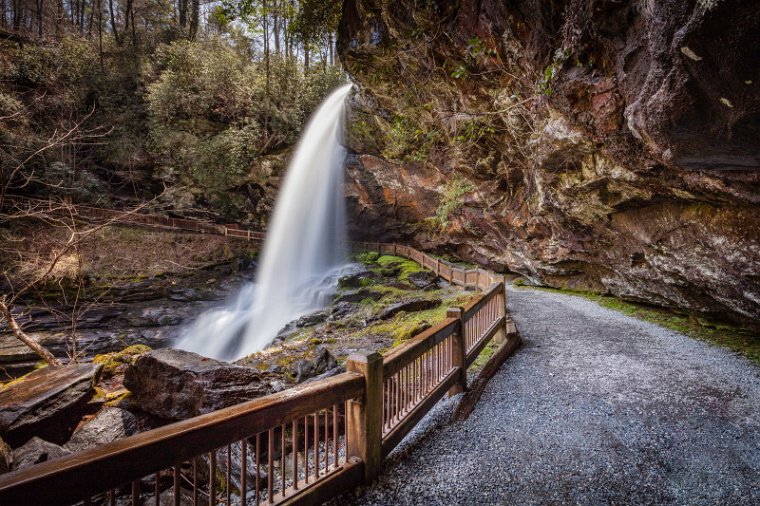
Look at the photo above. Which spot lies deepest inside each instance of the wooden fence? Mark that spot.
(299, 446)
(76, 211)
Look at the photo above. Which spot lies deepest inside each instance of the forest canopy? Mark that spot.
(157, 93)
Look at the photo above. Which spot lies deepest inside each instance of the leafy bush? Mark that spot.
(212, 112)
(452, 199)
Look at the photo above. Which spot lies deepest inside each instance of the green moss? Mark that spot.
(485, 355)
(727, 335)
(367, 257)
(400, 267)
(114, 362)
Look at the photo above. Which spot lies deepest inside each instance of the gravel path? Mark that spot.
(595, 408)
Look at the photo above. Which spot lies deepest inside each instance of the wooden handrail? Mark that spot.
(113, 464)
(384, 398)
(415, 346)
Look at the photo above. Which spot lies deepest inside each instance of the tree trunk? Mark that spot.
(195, 7)
(22, 336)
(182, 7)
(113, 23)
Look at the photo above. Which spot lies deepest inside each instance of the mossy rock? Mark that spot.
(393, 266)
(116, 362)
(368, 257)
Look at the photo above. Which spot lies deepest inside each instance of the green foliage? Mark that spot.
(402, 267)
(406, 140)
(459, 72)
(368, 257)
(550, 72)
(212, 113)
(452, 199)
(475, 129)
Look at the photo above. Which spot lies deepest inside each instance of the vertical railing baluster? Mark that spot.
(316, 446)
(306, 448)
(177, 483)
(229, 475)
(282, 458)
(258, 468)
(327, 439)
(136, 493)
(335, 435)
(294, 451)
(212, 479)
(243, 471)
(270, 466)
(195, 481)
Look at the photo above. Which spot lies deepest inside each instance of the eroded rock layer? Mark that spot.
(588, 144)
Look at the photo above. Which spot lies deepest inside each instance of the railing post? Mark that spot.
(459, 352)
(364, 418)
(501, 335)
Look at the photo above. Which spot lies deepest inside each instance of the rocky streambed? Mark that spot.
(130, 381)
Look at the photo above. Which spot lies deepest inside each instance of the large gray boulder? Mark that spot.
(48, 403)
(177, 384)
(322, 362)
(36, 451)
(109, 424)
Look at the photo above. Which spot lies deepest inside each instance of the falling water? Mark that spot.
(304, 252)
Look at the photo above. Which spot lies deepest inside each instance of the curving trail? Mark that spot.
(595, 408)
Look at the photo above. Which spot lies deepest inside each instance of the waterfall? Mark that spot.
(304, 252)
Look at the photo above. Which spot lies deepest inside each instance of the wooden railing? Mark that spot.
(479, 279)
(61, 208)
(299, 446)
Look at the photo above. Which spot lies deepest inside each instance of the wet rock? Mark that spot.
(48, 403)
(184, 294)
(358, 296)
(154, 317)
(422, 279)
(36, 451)
(409, 306)
(177, 384)
(322, 362)
(358, 280)
(339, 310)
(6, 457)
(109, 424)
(311, 319)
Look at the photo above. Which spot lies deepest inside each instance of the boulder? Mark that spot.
(107, 425)
(409, 306)
(36, 451)
(177, 384)
(358, 296)
(6, 457)
(322, 362)
(340, 310)
(358, 280)
(422, 279)
(48, 403)
(311, 319)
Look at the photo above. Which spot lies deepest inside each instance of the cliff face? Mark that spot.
(597, 145)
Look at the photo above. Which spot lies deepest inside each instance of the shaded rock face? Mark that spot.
(107, 425)
(48, 403)
(36, 451)
(177, 384)
(585, 144)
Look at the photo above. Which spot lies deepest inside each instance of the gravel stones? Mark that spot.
(595, 408)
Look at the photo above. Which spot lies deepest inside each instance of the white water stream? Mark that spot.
(305, 251)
